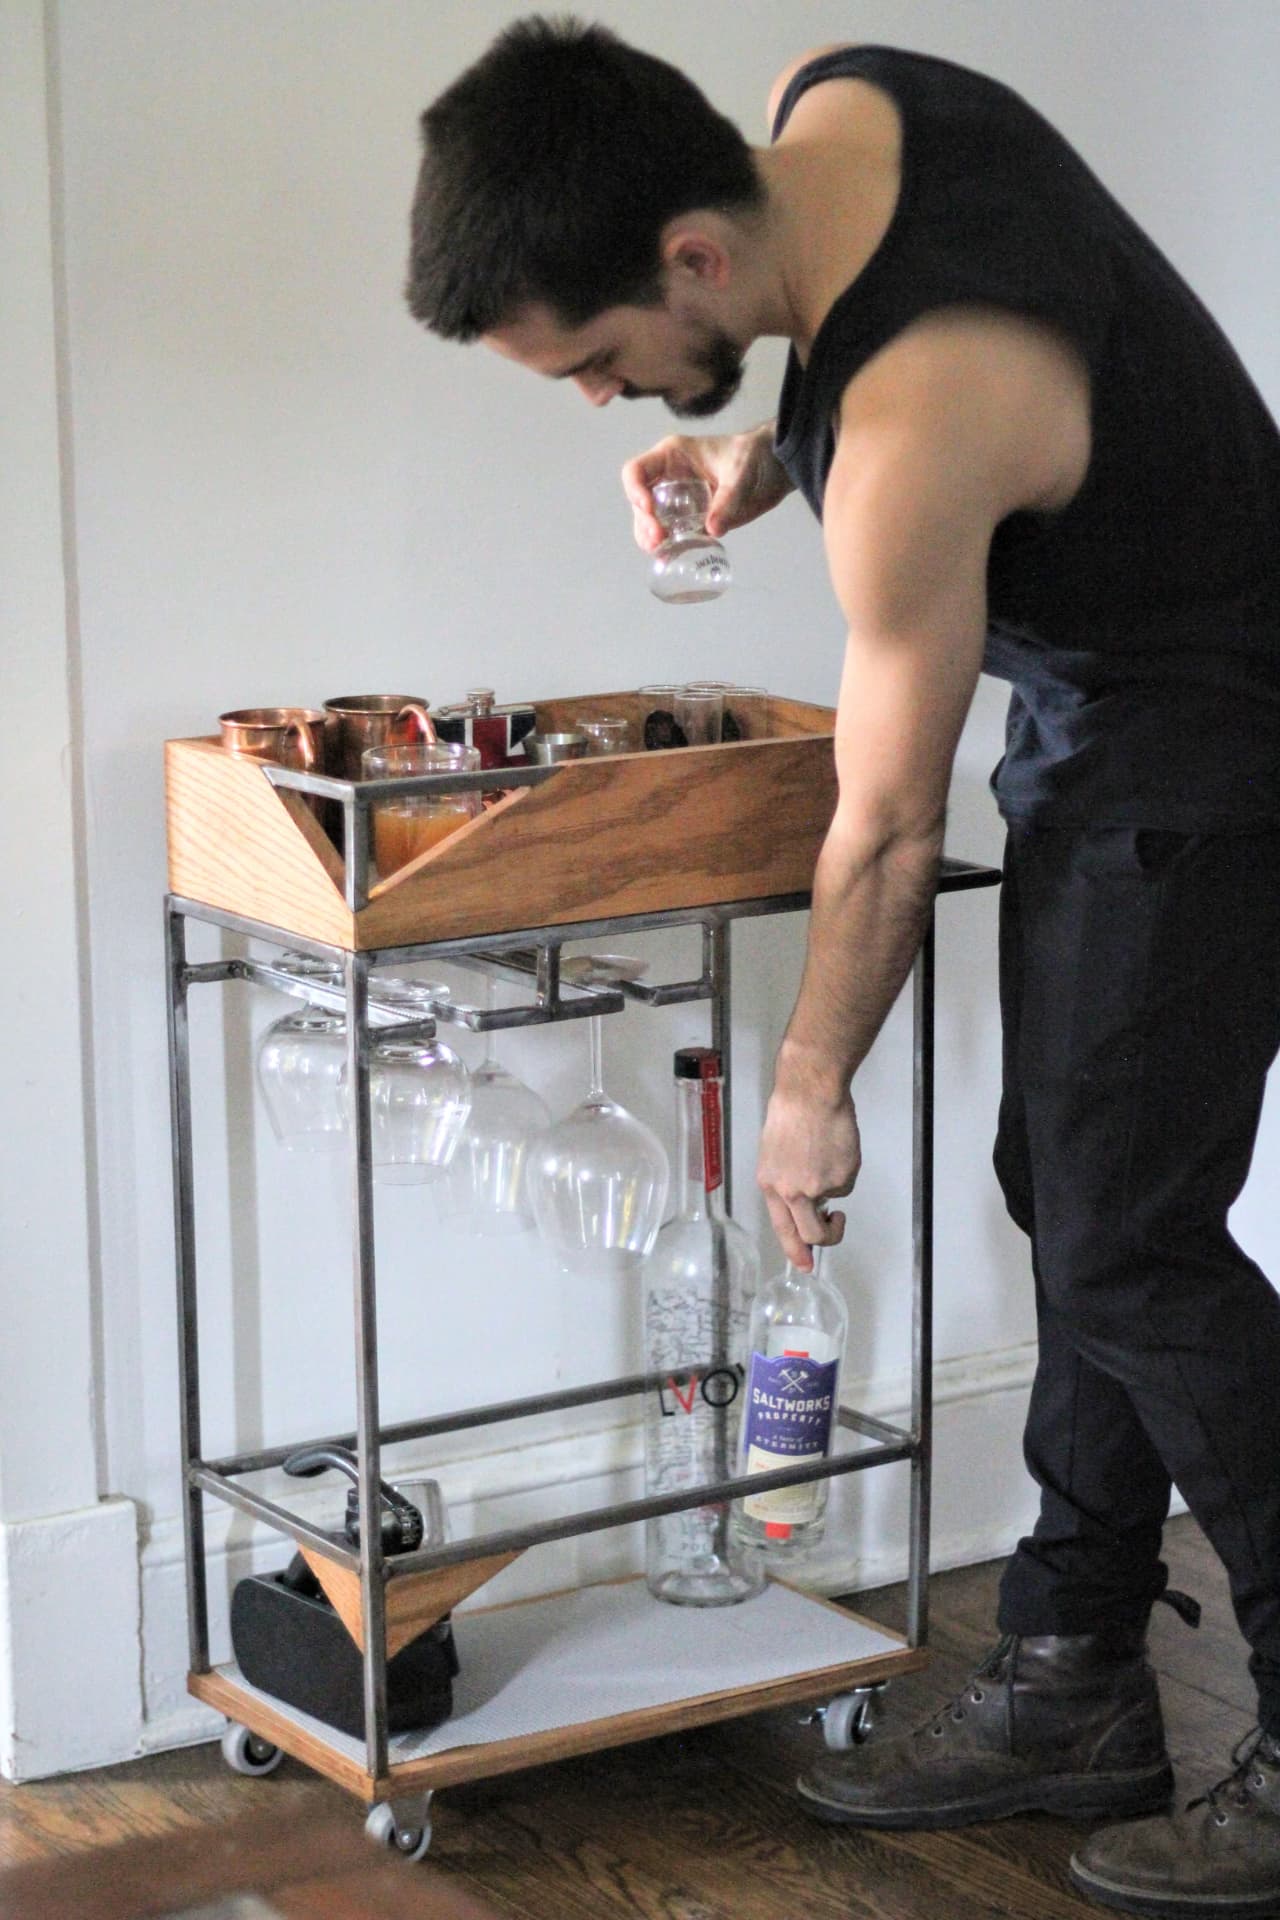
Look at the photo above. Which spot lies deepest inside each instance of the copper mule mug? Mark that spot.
(292, 736)
(357, 721)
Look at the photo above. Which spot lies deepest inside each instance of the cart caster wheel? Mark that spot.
(849, 1719)
(385, 1830)
(246, 1752)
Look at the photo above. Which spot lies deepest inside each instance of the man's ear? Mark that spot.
(692, 250)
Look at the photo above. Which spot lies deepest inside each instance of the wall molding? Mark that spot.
(70, 1652)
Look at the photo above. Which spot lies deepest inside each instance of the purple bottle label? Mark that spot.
(790, 1404)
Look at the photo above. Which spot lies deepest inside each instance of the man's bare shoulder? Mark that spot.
(790, 71)
(1005, 394)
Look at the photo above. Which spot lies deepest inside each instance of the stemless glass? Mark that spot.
(598, 1182)
(405, 827)
(485, 1188)
(301, 1069)
(608, 733)
(419, 1098)
(690, 564)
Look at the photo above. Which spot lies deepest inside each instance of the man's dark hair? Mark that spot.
(550, 168)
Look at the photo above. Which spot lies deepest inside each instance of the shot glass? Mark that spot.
(660, 728)
(699, 712)
(746, 710)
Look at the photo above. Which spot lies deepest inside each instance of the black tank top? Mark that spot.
(1139, 626)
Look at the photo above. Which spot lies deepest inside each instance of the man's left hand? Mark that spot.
(809, 1153)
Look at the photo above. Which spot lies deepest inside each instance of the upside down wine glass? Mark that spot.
(598, 1181)
(485, 1189)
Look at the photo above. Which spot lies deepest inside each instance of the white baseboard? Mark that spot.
(70, 1657)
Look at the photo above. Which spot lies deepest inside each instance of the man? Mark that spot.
(1031, 451)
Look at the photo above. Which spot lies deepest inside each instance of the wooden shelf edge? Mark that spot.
(274, 1724)
(482, 1762)
(486, 1760)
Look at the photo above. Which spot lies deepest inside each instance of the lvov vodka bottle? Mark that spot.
(699, 1283)
(796, 1347)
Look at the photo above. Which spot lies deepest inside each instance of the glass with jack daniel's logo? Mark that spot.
(700, 1281)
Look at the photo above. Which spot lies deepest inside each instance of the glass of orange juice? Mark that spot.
(404, 827)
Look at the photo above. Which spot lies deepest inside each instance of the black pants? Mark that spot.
(1140, 992)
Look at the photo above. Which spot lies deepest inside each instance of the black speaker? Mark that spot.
(291, 1643)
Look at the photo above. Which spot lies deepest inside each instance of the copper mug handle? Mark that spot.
(416, 710)
(306, 744)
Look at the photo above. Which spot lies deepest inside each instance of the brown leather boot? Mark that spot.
(1055, 1723)
(1219, 1857)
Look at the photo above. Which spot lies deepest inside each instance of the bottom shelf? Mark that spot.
(571, 1673)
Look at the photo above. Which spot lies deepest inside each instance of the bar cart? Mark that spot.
(248, 854)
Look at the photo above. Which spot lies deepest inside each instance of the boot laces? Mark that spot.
(991, 1667)
(1247, 1761)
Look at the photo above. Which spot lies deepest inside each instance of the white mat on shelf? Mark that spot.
(612, 1649)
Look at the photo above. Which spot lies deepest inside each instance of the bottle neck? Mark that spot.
(700, 1165)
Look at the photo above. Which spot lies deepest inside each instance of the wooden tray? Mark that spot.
(623, 834)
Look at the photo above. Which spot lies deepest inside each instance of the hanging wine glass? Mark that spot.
(301, 1071)
(598, 1180)
(419, 1098)
(485, 1188)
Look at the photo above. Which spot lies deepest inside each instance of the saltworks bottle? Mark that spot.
(699, 1283)
(796, 1345)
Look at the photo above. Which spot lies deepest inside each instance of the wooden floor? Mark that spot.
(703, 1826)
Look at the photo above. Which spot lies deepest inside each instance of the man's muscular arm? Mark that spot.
(962, 420)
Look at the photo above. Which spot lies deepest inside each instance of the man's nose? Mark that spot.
(597, 389)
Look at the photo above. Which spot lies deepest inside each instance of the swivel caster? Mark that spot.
(246, 1752)
(850, 1718)
(403, 1826)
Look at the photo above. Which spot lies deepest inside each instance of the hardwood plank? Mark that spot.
(314, 1869)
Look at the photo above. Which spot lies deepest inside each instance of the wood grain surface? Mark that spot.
(415, 1601)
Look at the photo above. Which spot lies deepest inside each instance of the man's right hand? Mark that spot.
(745, 474)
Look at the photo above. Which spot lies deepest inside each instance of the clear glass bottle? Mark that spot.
(796, 1347)
(699, 1283)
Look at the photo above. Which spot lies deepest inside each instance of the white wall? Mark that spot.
(280, 489)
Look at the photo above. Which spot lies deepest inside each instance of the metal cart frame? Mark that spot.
(531, 955)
